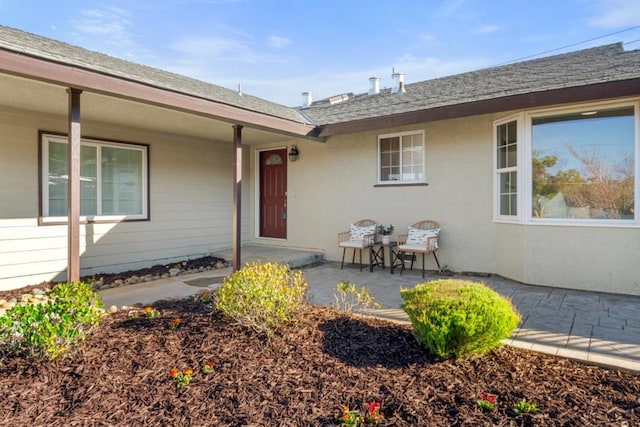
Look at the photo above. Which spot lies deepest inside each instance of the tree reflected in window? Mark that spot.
(582, 165)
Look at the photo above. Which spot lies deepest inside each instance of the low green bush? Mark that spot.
(47, 330)
(262, 296)
(457, 318)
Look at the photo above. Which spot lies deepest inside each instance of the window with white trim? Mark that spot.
(583, 165)
(576, 166)
(401, 158)
(113, 180)
(506, 158)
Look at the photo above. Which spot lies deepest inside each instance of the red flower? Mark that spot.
(210, 364)
(173, 372)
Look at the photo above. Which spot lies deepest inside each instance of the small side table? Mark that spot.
(377, 255)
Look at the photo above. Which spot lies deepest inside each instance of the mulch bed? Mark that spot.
(302, 376)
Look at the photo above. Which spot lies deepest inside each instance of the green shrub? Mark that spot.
(458, 318)
(348, 296)
(46, 330)
(261, 296)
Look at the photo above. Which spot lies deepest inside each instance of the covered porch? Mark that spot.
(195, 194)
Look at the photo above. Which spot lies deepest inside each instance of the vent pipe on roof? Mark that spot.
(398, 83)
(306, 99)
(374, 85)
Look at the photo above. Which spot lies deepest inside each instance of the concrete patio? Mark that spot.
(594, 327)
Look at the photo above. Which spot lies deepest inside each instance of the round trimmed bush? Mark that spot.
(457, 318)
(261, 296)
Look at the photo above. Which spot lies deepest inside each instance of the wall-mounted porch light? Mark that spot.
(293, 153)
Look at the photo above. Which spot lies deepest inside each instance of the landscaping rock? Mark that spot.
(112, 309)
(174, 272)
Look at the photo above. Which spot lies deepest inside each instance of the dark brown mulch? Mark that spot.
(302, 377)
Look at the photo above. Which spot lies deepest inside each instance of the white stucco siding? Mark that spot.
(590, 258)
(333, 184)
(191, 204)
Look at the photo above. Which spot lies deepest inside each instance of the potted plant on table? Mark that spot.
(386, 232)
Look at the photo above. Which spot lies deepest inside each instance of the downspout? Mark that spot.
(73, 202)
(237, 195)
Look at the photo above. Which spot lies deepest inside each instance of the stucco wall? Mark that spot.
(191, 185)
(332, 185)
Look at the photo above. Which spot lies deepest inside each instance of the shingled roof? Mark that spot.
(604, 64)
(52, 50)
(585, 67)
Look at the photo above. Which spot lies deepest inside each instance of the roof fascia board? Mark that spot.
(69, 76)
(524, 101)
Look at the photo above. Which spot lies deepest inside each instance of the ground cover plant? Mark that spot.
(132, 370)
(46, 329)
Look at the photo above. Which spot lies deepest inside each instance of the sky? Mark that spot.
(277, 49)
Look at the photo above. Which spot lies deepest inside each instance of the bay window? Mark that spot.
(579, 166)
(506, 157)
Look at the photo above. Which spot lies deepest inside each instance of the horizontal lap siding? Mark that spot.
(190, 193)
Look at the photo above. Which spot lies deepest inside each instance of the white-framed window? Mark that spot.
(573, 166)
(506, 160)
(113, 180)
(401, 158)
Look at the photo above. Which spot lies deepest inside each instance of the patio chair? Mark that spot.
(361, 235)
(423, 238)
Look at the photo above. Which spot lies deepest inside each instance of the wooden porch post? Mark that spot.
(73, 202)
(237, 194)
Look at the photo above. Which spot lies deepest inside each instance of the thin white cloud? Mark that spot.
(487, 29)
(611, 14)
(449, 7)
(277, 41)
(425, 37)
(112, 23)
(237, 49)
(109, 30)
(210, 1)
(218, 47)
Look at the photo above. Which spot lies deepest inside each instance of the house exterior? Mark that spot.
(530, 168)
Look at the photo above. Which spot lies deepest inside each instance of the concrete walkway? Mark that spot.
(595, 327)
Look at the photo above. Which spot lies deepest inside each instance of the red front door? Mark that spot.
(273, 193)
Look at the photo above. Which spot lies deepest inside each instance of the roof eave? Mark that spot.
(567, 95)
(26, 66)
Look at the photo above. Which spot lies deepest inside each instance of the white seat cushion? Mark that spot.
(358, 244)
(412, 248)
